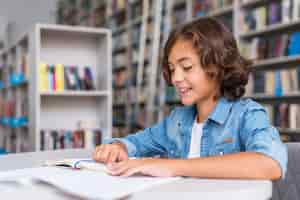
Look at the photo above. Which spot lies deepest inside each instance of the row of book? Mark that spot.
(274, 13)
(65, 139)
(276, 82)
(9, 107)
(284, 115)
(205, 7)
(59, 78)
(121, 96)
(179, 17)
(84, 14)
(122, 79)
(8, 112)
(14, 78)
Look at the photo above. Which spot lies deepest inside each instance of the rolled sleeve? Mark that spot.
(259, 136)
(148, 142)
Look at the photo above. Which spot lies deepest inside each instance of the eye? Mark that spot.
(187, 68)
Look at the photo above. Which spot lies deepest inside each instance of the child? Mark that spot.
(216, 134)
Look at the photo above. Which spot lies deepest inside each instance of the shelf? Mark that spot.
(287, 98)
(277, 63)
(292, 134)
(271, 29)
(254, 4)
(289, 131)
(76, 93)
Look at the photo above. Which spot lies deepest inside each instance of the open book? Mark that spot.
(77, 163)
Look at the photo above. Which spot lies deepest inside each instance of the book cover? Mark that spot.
(286, 10)
(43, 77)
(89, 79)
(59, 77)
(296, 10)
(50, 78)
(76, 77)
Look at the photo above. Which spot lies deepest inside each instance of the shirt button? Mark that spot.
(172, 151)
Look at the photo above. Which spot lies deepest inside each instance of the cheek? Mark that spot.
(204, 83)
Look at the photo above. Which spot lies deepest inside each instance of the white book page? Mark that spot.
(89, 184)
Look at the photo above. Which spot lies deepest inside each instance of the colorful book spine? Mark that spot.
(59, 77)
(50, 78)
(43, 82)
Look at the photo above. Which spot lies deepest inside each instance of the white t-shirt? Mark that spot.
(196, 139)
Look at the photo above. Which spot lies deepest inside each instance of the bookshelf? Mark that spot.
(14, 117)
(175, 12)
(271, 29)
(276, 60)
(83, 113)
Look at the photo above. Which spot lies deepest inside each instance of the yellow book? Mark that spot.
(59, 77)
(43, 78)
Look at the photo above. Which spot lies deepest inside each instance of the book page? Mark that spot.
(90, 184)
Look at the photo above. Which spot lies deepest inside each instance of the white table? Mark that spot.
(187, 188)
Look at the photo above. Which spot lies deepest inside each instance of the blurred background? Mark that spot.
(74, 72)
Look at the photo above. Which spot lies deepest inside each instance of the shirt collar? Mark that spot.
(221, 111)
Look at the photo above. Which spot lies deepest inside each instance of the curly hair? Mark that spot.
(218, 53)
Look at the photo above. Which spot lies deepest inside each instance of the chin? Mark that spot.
(187, 102)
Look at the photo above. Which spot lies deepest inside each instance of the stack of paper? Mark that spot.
(88, 184)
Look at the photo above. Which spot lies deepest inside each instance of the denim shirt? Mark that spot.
(233, 126)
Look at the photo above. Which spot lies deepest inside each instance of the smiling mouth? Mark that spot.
(184, 91)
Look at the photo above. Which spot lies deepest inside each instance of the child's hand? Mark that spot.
(146, 166)
(108, 153)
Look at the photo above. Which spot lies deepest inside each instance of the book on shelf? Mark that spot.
(60, 78)
(25, 65)
(205, 7)
(286, 11)
(65, 139)
(273, 82)
(179, 17)
(296, 10)
(284, 115)
(275, 12)
(43, 77)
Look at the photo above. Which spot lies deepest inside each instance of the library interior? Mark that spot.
(76, 73)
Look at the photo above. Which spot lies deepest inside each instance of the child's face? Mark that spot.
(191, 82)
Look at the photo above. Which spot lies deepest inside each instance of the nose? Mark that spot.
(177, 76)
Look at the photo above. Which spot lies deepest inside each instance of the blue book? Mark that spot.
(50, 78)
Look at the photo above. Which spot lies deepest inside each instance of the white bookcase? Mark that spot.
(67, 45)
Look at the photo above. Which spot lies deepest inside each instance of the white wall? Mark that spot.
(22, 14)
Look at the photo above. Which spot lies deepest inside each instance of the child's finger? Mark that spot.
(113, 156)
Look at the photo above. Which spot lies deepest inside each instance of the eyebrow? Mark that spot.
(181, 60)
